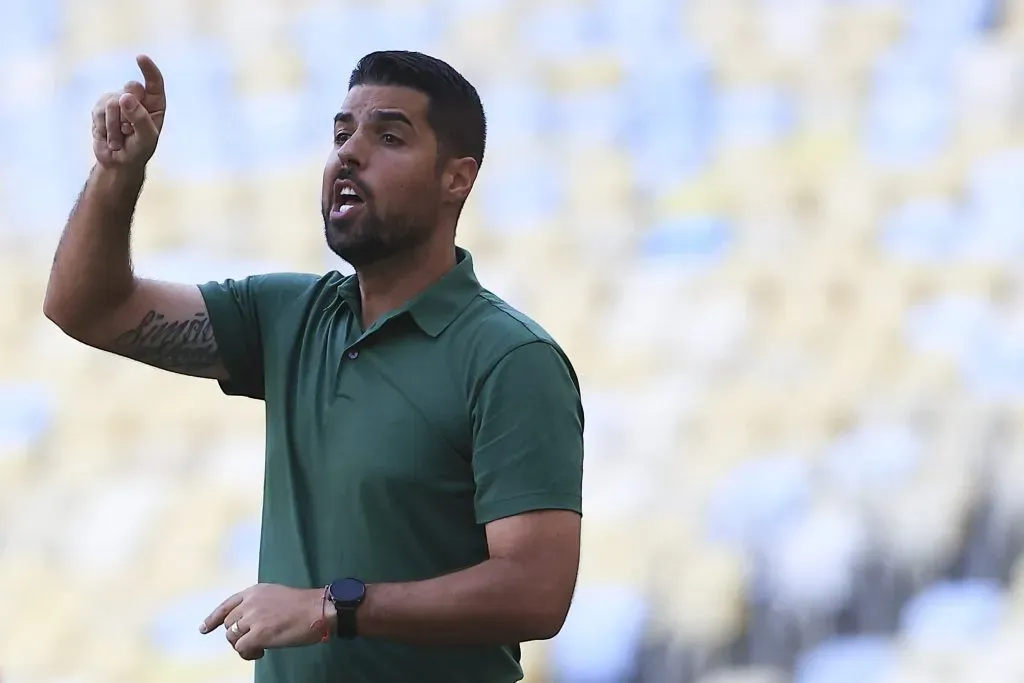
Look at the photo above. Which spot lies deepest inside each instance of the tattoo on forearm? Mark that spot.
(179, 345)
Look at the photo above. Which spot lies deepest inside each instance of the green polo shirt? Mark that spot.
(388, 449)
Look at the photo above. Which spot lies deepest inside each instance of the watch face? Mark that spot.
(348, 591)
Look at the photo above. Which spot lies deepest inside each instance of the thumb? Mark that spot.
(137, 115)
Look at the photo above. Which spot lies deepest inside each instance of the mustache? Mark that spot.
(350, 175)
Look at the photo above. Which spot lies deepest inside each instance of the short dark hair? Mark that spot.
(454, 112)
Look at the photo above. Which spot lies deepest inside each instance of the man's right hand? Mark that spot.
(126, 125)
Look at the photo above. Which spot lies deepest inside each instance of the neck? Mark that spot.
(390, 283)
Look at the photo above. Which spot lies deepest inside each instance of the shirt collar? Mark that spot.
(434, 309)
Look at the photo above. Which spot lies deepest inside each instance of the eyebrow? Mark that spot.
(378, 116)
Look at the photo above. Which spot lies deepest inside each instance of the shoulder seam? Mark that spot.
(506, 313)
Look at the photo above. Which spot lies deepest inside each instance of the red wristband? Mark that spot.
(321, 623)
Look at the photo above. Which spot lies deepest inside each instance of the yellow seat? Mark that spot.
(700, 596)
(476, 42)
(599, 71)
(87, 34)
(534, 662)
(180, 21)
(271, 68)
(286, 220)
(187, 553)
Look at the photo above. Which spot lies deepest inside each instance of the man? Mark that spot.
(424, 440)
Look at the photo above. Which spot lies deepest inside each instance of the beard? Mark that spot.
(369, 238)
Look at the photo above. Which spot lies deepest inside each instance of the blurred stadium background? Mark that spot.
(781, 239)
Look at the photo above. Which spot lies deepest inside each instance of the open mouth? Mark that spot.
(346, 199)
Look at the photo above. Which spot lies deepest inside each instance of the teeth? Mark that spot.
(348, 191)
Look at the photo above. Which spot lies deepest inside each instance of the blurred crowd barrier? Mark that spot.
(781, 240)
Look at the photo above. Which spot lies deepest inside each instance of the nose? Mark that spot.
(350, 154)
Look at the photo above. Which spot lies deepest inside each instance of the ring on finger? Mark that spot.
(234, 629)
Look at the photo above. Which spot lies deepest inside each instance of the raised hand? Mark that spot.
(126, 124)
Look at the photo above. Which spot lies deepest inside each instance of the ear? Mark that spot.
(458, 178)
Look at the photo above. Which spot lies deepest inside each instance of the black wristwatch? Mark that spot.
(347, 595)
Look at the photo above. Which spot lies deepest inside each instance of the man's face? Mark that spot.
(381, 189)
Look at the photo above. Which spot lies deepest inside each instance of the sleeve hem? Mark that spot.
(221, 313)
(530, 502)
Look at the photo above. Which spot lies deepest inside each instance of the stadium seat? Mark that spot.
(950, 615)
(758, 500)
(861, 659)
(811, 568)
(700, 592)
(601, 638)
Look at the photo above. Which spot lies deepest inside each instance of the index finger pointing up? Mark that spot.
(154, 79)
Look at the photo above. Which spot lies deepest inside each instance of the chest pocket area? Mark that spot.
(395, 423)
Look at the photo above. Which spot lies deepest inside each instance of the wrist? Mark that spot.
(330, 614)
(117, 182)
(346, 597)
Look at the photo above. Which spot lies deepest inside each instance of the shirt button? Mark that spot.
(353, 355)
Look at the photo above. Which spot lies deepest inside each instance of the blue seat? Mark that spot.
(38, 192)
(929, 230)
(28, 26)
(874, 458)
(669, 127)
(559, 30)
(26, 414)
(909, 112)
(953, 613)
(174, 632)
(948, 325)
(602, 636)
(991, 364)
(756, 500)
(241, 551)
(329, 37)
(942, 25)
(994, 212)
(856, 659)
(639, 31)
(753, 116)
(694, 240)
(517, 196)
(591, 118)
(278, 129)
(517, 113)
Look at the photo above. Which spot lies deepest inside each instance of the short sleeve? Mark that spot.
(528, 435)
(240, 311)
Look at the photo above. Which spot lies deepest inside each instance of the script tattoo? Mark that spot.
(177, 345)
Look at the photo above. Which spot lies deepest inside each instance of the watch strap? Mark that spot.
(346, 623)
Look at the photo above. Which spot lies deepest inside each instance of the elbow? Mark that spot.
(59, 315)
(68, 323)
(545, 621)
(52, 311)
(548, 629)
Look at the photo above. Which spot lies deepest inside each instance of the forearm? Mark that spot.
(493, 603)
(92, 270)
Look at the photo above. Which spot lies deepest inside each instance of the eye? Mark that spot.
(390, 139)
(340, 137)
